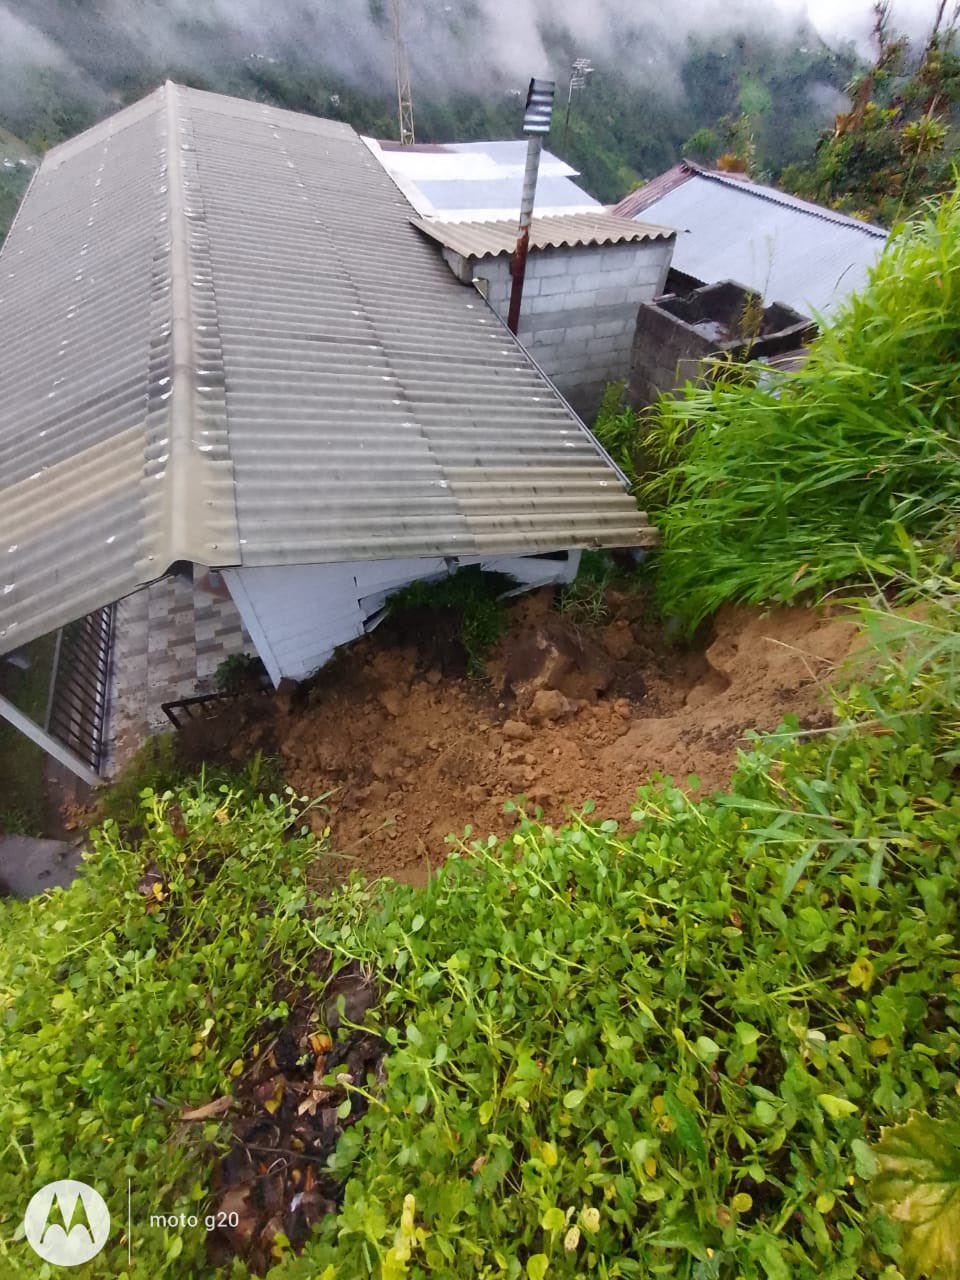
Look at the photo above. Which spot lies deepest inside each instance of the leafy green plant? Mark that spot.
(477, 599)
(831, 473)
(239, 673)
(918, 1185)
(666, 1049)
(137, 992)
(618, 428)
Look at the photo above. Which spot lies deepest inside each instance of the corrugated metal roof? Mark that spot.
(222, 341)
(632, 205)
(488, 239)
(468, 181)
(729, 228)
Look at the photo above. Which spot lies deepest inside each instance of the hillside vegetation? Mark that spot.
(774, 486)
(663, 1048)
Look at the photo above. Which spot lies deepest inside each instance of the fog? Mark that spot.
(451, 43)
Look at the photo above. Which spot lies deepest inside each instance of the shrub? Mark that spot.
(136, 992)
(804, 480)
(666, 1050)
(475, 597)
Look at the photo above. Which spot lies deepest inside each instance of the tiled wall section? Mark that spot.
(169, 640)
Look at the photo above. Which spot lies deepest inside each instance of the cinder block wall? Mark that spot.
(580, 309)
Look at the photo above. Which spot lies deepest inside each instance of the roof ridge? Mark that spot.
(199, 509)
(770, 194)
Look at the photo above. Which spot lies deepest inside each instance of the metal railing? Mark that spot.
(202, 705)
(77, 701)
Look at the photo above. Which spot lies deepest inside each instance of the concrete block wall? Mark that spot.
(580, 309)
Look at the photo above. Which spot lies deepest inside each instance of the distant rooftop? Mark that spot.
(478, 181)
(729, 228)
(489, 239)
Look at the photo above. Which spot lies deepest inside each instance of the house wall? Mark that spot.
(670, 349)
(298, 614)
(580, 308)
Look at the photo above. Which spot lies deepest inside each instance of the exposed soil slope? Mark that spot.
(410, 751)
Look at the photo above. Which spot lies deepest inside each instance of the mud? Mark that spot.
(408, 750)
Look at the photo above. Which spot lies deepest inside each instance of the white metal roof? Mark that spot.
(479, 181)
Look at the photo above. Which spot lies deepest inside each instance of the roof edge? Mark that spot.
(797, 203)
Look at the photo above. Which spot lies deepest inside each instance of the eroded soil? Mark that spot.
(409, 750)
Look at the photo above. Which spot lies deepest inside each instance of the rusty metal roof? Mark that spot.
(488, 239)
(221, 341)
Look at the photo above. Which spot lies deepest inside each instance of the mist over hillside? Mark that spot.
(662, 72)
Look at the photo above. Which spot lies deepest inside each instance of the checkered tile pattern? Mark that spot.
(169, 639)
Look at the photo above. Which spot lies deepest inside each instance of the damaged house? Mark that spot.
(244, 400)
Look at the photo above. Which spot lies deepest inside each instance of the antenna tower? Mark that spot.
(404, 96)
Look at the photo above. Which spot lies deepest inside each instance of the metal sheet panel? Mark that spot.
(489, 239)
(221, 340)
(471, 180)
(787, 249)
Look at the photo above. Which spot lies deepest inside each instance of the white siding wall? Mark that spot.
(580, 309)
(298, 614)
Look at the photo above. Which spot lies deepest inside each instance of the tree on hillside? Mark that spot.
(898, 142)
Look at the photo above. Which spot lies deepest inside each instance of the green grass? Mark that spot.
(779, 487)
(665, 1048)
(22, 789)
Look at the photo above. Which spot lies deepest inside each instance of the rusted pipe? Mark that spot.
(518, 264)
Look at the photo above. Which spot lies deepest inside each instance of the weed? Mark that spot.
(476, 597)
(662, 1048)
(239, 673)
(666, 1048)
(585, 599)
(830, 473)
(136, 992)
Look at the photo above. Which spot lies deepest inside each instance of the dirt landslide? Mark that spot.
(410, 750)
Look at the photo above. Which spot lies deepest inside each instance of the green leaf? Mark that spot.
(864, 1160)
(836, 1107)
(537, 1266)
(707, 1050)
(573, 1099)
(174, 1248)
(688, 1130)
(554, 1219)
(918, 1186)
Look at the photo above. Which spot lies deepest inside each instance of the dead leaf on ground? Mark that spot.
(210, 1109)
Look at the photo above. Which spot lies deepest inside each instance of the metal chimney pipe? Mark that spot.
(536, 122)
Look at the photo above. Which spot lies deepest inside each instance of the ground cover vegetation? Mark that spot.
(661, 1049)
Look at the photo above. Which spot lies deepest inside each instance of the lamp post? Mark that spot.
(536, 123)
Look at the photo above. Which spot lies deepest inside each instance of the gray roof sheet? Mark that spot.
(788, 249)
(489, 239)
(222, 341)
